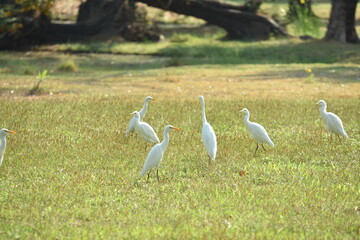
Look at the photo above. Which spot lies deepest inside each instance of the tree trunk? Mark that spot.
(351, 35)
(238, 21)
(342, 22)
(97, 19)
(38, 30)
(109, 19)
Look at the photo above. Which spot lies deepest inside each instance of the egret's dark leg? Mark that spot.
(148, 175)
(157, 174)
(257, 147)
(263, 147)
(209, 160)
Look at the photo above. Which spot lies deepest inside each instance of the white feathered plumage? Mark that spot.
(3, 133)
(257, 131)
(332, 121)
(208, 134)
(144, 130)
(142, 113)
(156, 153)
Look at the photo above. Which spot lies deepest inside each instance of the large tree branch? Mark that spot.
(239, 23)
(112, 17)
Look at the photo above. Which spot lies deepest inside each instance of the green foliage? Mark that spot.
(306, 23)
(39, 7)
(311, 76)
(10, 14)
(68, 66)
(180, 38)
(8, 22)
(42, 75)
(37, 89)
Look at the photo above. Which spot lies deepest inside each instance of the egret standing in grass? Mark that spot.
(3, 133)
(208, 134)
(332, 121)
(257, 131)
(144, 130)
(156, 153)
(142, 113)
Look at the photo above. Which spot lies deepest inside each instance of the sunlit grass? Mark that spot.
(71, 173)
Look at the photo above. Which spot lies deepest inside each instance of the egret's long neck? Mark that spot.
(137, 120)
(144, 109)
(323, 111)
(166, 140)
(246, 118)
(2, 147)
(203, 112)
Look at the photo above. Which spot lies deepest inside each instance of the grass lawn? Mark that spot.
(70, 172)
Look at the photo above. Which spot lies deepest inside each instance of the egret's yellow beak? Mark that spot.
(175, 128)
(11, 132)
(153, 99)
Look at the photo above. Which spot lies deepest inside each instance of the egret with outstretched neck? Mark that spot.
(332, 122)
(3, 133)
(208, 134)
(144, 130)
(257, 131)
(142, 113)
(156, 153)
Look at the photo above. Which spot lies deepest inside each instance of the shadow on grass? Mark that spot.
(99, 57)
(123, 63)
(305, 52)
(337, 74)
(332, 74)
(199, 51)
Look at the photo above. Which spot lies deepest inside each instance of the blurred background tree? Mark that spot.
(342, 22)
(27, 22)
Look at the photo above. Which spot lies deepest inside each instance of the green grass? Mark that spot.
(213, 51)
(226, 67)
(71, 173)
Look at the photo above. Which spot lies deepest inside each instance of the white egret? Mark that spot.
(142, 113)
(208, 134)
(3, 133)
(257, 131)
(332, 121)
(144, 130)
(156, 153)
